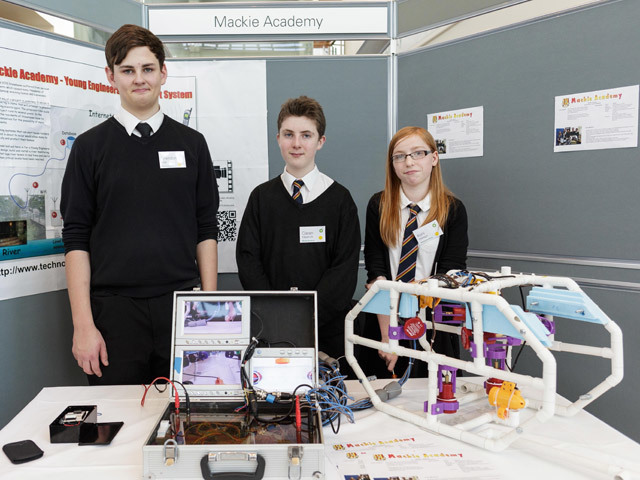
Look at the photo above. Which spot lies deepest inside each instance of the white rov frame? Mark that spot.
(477, 296)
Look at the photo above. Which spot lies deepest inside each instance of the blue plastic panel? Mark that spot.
(495, 322)
(380, 304)
(566, 304)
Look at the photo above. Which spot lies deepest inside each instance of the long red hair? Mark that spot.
(441, 196)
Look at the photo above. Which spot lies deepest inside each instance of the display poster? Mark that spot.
(596, 120)
(51, 91)
(458, 133)
(407, 457)
(232, 115)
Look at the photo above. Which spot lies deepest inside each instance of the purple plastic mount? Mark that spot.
(448, 318)
(550, 324)
(397, 333)
(496, 351)
(441, 407)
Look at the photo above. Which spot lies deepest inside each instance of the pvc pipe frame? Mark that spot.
(478, 296)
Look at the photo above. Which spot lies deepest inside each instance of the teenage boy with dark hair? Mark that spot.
(139, 202)
(301, 228)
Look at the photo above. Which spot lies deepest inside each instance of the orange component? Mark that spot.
(507, 397)
(282, 361)
(430, 302)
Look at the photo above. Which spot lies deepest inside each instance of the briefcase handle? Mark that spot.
(220, 456)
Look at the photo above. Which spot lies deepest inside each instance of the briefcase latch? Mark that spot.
(295, 462)
(170, 452)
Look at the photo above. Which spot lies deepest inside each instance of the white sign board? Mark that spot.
(268, 21)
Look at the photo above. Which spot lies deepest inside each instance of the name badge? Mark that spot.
(427, 232)
(313, 234)
(172, 160)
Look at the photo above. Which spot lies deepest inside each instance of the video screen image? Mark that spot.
(282, 374)
(211, 367)
(218, 317)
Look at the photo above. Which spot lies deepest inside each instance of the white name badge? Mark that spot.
(172, 160)
(313, 234)
(427, 232)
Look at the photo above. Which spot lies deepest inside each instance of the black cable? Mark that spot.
(253, 312)
(286, 416)
(186, 398)
(513, 367)
(286, 342)
(450, 281)
(157, 387)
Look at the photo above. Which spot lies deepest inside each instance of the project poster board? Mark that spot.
(232, 115)
(51, 91)
(458, 133)
(596, 120)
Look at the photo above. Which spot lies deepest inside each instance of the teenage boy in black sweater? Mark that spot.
(139, 202)
(301, 228)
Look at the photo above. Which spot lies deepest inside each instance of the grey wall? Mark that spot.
(420, 15)
(522, 197)
(550, 201)
(35, 351)
(353, 95)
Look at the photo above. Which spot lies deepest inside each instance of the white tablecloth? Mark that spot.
(545, 451)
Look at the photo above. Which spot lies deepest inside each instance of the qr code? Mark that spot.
(227, 225)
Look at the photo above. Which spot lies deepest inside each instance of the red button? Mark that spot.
(414, 328)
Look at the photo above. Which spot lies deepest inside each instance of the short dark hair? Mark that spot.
(128, 37)
(303, 107)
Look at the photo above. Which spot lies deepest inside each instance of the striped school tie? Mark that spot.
(297, 195)
(409, 252)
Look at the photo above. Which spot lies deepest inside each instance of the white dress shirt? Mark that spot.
(315, 184)
(129, 121)
(426, 250)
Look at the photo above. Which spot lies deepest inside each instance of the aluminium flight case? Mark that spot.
(211, 332)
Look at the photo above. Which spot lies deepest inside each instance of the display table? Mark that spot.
(553, 450)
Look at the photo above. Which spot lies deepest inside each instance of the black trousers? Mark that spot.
(137, 332)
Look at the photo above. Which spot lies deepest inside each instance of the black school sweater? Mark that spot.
(140, 223)
(271, 257)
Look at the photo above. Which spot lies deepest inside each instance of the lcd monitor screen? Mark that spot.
(225, 318)
(282, 373)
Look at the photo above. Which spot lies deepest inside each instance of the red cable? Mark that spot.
(176, 399)
(175, 391)
(298, 416)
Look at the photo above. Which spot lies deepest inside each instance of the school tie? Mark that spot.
(409, 252)
(144, 129)
(297, 195)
